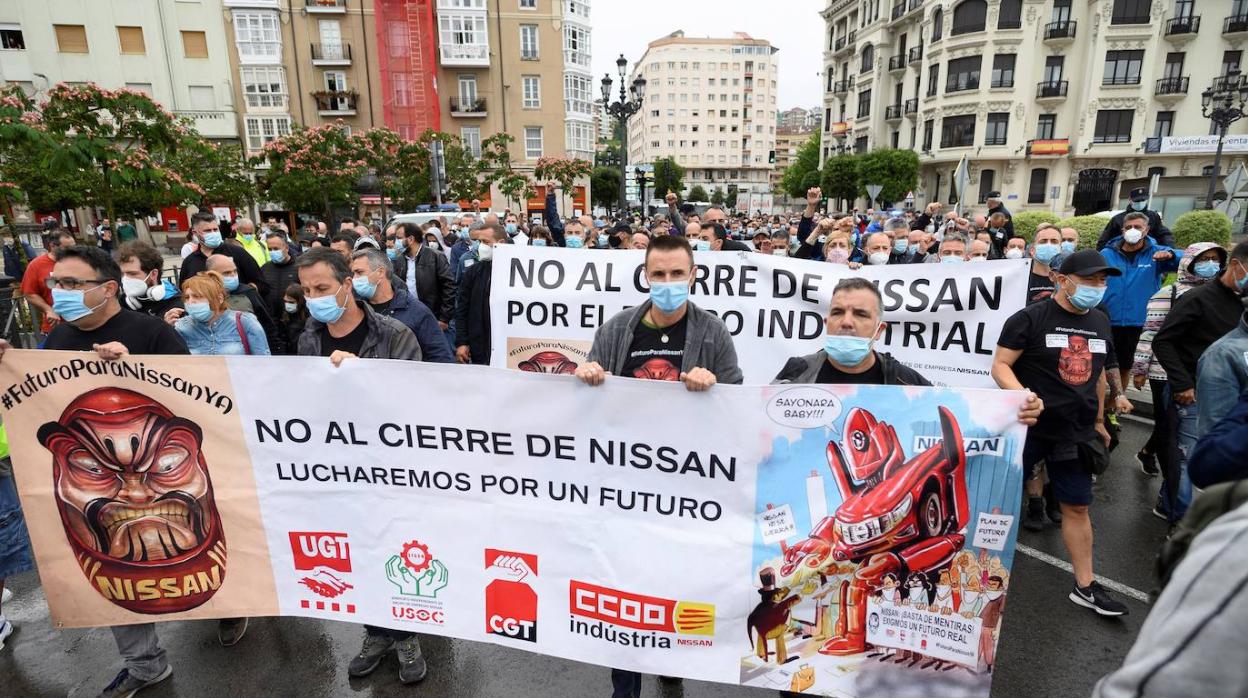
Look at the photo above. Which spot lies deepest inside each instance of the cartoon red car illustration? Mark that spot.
(897, 515)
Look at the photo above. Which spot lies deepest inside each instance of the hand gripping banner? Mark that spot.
(831, 540)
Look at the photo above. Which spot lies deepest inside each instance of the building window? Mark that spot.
(963, 74)
(1174, 65)
(463, 36)
(578, 95)
(1165, 124)
(927, 134)
(258, 36)
(861, 144)
(1011, 14)
(528, 4)
(1131, 12)
(532, 92)
(131, 41)
(1046, 127)
(1039, 183)
(1003, 70)
(1156, 172)
(576, 45)
(986, 180)
(933, 79)
(864, 104)
(868, 59)
(265, 129)
(533, 142)
(71, 38)
(471, 136)
(580, 137)
(528, 42)
(998, 128)
(969, 16)
(1230, 62)
(1123, 67)
(1113, 126)
(11, 38)
(938, 24)
(401, 89)
(194, 44)
(957, 131)
(264, 87)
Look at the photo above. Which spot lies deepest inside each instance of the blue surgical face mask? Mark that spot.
(1138, 205)
(292, 308)
(1046, 251)
(846, 350)
(248, 238)
(1087, 297)
(275, 255)
(951, 259)
(1242, 282)
(392, 253)
(363, 287)
(668, 297)
(899, 246)
(1207, 269)
(510, 228)
(231, 283)
(326, 309)
(702, 245)
(475, 245)
(462, 234)
(574, 242)
(603, 240)
(1068, 246)
(538, 242)
(212, 240)
(199, 311)
(914, 248)
(70, 304)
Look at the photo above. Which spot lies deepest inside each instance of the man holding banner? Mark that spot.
(666, 338)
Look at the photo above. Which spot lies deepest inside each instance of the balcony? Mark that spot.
(336, 102)
(915, 55)
(1182, 28)
(892, 112)
(576, 58)
(468, 108)
(1172, 88)
(325, 6)
(1061, 31)
(331, 54)
(1227, 83)
(899, 11)
(1049, 146)
(1120, 80)
(1235, 25)
(1052, 89)
(841, 87)
(915, 5)
(962, 83)
(896, 63)
(465, 54)
(845, 43)
(911, 106)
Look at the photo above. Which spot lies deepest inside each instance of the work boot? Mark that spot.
(411, 663)
(231, 630)
(126, 685)
(374, 648)
(1033, 520)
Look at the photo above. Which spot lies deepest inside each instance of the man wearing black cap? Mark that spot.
(1139, 202)
(1058, 348)
(995, 206)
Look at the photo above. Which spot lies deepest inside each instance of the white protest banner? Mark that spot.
(459, 501)
(942, 320)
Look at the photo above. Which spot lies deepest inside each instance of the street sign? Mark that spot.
(962, 180)
(1235, 181)
(873, 191)
(1055, 192)
(910, 197)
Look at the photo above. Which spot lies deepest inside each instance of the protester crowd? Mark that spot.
(1097, 321)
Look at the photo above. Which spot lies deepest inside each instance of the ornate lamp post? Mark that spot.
(1223, 104)
(622, 109)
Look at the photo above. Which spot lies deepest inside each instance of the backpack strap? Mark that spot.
(242, 334)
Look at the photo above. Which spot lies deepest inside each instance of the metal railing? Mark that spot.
(1183, 25)
(1061, 29)
(897, 62)
(1235, 24)
(1172, 86)
(331, 52)
(1052, 88)
(467, 106)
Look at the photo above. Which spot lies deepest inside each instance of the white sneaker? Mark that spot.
(5, 630)
(6, 595)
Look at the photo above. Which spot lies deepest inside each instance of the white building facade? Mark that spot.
(710, 105)
(1062, 105)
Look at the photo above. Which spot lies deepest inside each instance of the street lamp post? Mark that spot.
(639, 176)
(622, 109)
(1218, 104)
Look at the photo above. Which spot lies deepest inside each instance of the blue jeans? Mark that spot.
(15, 553)
(1176, 491)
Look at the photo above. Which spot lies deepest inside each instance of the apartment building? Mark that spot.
(710, 104)
(174, 51)
(1061, 105)
(798, 119)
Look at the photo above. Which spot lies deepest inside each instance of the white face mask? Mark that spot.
(485, 253)
(134, 288)
(878, 258)
(993, 595)
(1013, 253)
(1132, 236)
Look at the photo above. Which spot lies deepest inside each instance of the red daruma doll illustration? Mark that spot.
(510, 603)
(136, 501)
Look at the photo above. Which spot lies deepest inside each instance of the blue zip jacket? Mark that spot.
(420, 320)
(1221, 455)
(1126, 297)
(1222, 376)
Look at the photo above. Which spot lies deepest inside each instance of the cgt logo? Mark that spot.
(640, 612)
(324, 559)
(510, 601)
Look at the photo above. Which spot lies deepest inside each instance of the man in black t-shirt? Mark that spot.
(85, 283)
(1058, 348)
(1047, 245)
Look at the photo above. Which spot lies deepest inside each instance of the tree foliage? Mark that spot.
(218, 169)
(717, 196)
(839, 179)
(1026, 222)
(565, 171)
(668, 176)
(894, 169)
(730, 201)
(1089, 228)
(698, 193)
(312, 169)
(794, 181)
(604, 187)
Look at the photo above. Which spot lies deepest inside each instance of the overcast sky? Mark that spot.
(793, 26)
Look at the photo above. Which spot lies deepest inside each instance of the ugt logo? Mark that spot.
(416, 573)
(325, 561)
(510, 601)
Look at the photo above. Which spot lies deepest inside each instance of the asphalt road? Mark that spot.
(1049, 647)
